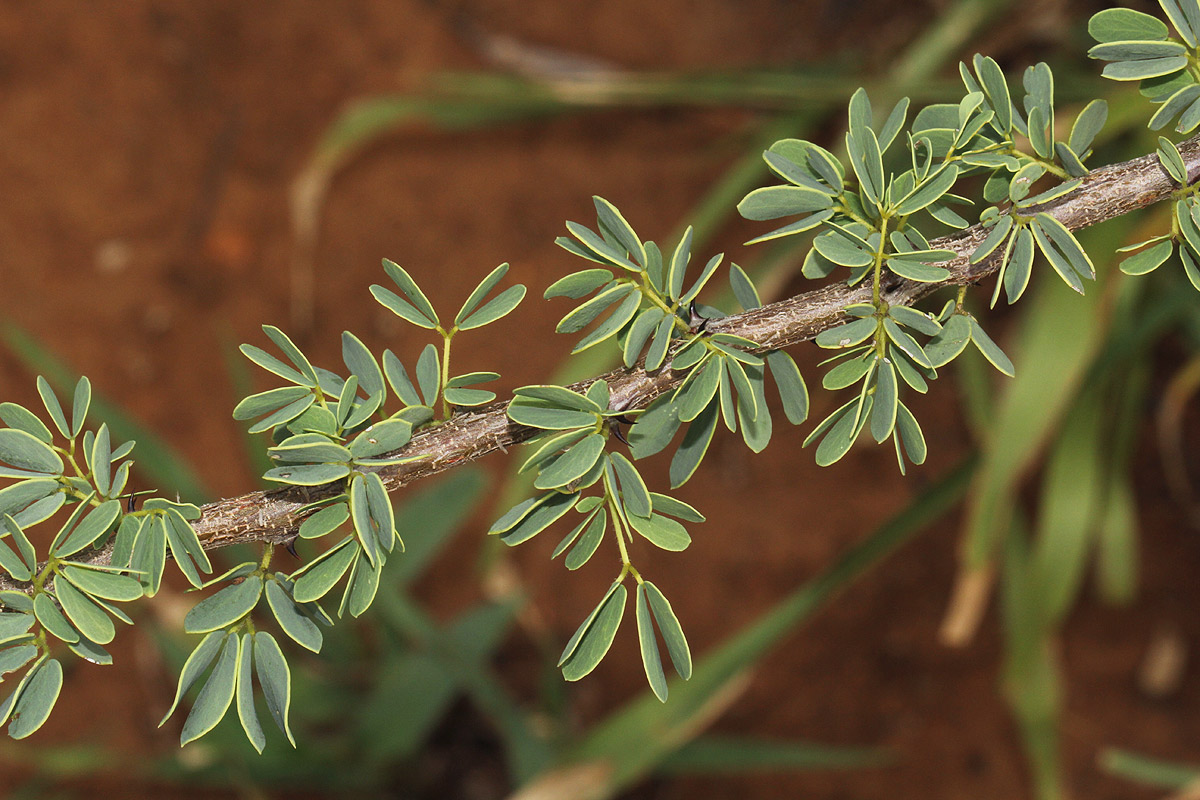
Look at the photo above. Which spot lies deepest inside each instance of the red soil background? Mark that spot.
(148, 150)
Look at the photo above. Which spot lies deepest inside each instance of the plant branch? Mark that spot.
(275, 515)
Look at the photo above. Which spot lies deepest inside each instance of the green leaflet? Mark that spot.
(672, 632)
(13, 658)
(225, 607)
(195, 665)
(578, 284)
(14, 625)
(773, 202)
(26, 451)
(617, 320)
(848, 335)
(581, 316)
(531, 517)
(589, 537)
(185, 547)
(429, 374)
(635, 497)
(89, 619)
(94, 525)
(467, 318)
(1149, 259)
(35, 698)
(610, 221)
(216, 694)
(50, 401)
(590, 643)
(80, 404)
(291, 617)
(662, 532)
(372, 514)
(570, 465)
(52, 619)
(675, 508)
(268, 402)
(362, 585)
(103, 584)
(362, 364)
(498, 307)
(397, 377)
(644, 326)
(148, 557)
(424, 315)
(317, 577)
(695, 393)
(651, 660)
(990, 350)
(275, 678)
(883, 410)
(324, 521)
(949, 343)
(1115, 24)
(695, 444)
(292, 353)
(245, 697)
(380, 439)
(22, 563)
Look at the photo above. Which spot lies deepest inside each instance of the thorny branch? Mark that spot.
(274, 515)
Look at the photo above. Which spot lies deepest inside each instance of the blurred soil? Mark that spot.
(148, 149)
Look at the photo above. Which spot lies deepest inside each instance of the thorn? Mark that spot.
(291, 546)
(620, 434)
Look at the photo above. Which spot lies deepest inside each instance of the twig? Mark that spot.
(275, 515)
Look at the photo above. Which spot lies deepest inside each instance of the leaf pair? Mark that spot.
(314, 459)
(877, 406)
(1138, 48)
(958, 329)
(815, 183)
(415, 307)
(142, 542)
(592, 640)
(1186, 214)
(235, 660)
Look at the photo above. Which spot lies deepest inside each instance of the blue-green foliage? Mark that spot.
(874, 211)
(642, 300)
(71, 600)
(326, 429)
